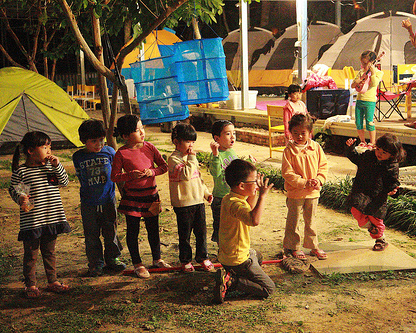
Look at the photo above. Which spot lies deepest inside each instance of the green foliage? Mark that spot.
(401, 214)
(334, 194)
(274, 175)
(203, 158)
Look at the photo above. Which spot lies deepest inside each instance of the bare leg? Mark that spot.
(361, 135)
(372, 137)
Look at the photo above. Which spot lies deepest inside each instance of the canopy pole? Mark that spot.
(302, 43)
(244, 53)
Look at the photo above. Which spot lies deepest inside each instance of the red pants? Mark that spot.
(365, 221)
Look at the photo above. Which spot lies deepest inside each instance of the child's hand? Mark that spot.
(147, 173)
(53, 160)
(407, 24)
(252, 159)
(137, 174)
(191, 151)
(263, 184)
(24, 203)
(142, 174)
(393, 192)
(215, 146)
(210, 198)
(313, 184)
(350, 142)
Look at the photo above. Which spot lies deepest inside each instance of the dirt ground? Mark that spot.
(182, 303)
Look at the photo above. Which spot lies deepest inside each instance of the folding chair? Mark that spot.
(393, 99)
(275, 112)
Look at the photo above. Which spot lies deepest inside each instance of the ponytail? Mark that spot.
(16, 158)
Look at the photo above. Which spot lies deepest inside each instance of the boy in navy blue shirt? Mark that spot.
(98, 203)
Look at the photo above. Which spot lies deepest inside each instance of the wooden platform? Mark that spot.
(254, 117)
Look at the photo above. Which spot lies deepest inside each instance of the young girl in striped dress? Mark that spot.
(133, 164)
(35, 188)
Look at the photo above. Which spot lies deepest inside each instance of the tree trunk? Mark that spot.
(195, 26)
(104, 99)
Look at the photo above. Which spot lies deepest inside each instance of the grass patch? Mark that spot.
(6, 165)
(4, 183)
(7, 262)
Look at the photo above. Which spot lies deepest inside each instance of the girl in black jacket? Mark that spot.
(376, 178)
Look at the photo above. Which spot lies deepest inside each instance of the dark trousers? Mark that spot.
(192, 218)
(251, 278)
(46, 244)
(98, 220)
(133, 229)
(216, 213)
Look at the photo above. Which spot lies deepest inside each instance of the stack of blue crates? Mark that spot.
(201, 72)
(157, 91)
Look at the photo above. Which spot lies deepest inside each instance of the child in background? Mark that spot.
(98, 198)
(376, 179)
(187, 193)
(366, 99)
(222, 154)
(134, 165)
(293, 106)
(240, 210)
(304, 168)
(35, 188)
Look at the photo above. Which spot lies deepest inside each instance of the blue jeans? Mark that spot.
(216, 213)
(98, 220)
(251, 278)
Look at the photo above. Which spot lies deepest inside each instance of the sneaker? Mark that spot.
(94, 272)
(161, 264)
(221, 285)
(116, 265)
(188, 268)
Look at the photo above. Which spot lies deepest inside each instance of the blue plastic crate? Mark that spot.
(154, 90)
(202, 69)
(152, 69)
(203, 91)
(198, 49)
(163, 110)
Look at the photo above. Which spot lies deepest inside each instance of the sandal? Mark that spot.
(380, 245)
(207, 265)
(141, 272)
(373, 229)
(320, 254)
(57, 288)
(298, 254)
(188, 268)
(161, 264)
(32, 293)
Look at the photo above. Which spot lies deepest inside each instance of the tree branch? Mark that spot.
(83, 44)
(9, 58)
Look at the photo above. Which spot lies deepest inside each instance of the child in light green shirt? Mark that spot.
(222, 155)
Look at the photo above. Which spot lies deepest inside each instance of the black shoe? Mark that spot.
(116, 265)
(94, 272)
(221, 285)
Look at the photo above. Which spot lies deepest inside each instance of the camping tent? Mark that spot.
(378, 32)
(275, 64)
(158, 40)
(31, 102)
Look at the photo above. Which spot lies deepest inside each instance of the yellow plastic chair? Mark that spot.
(275, 112)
